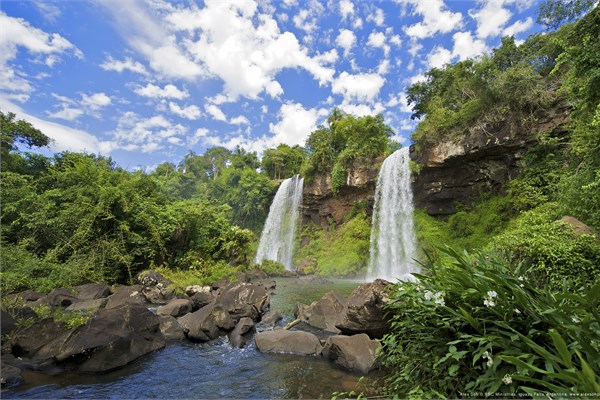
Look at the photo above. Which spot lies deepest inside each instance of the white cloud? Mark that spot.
(395, 40)
(383, 67)
(518, 27)
(47, 10)
(378, 17)
(239, 120)
(137, 133)
(295, 124)
(197, 136)
(95, 101)
(362, 109)
(67, 113)
(346, 40)
(377, 39)
(215, 112)
(168, 92)
(491, 18)
(110, 64)
(191, 112)
(361, 87)
(399, 100)
(346, 8)
(436, 18)
(465, 46)
(438, 57)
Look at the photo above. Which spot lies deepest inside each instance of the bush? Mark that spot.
(270, 267)
(475, 325)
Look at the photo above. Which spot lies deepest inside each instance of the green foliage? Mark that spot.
(342, 251)
(553, 251)
(475, 325)
(283, 161)
(69, 320)
(271, 268)
(14, 132)
(199, 272)
(554, 13)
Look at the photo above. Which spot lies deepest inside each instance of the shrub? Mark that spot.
(475, 325)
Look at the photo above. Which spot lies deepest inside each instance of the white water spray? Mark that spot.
(277, 238)
(393, 239)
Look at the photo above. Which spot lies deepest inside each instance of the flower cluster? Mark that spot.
(437, 297)
(490, 301)
(507, 380)
(488, 356)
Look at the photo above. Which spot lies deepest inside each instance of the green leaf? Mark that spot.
(561, 347)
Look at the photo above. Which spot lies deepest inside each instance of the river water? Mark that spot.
(184, 370)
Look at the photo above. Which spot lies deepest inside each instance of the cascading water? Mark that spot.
(393, 239)
(277, 238)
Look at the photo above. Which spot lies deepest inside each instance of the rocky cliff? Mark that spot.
(481, 161)
(320, 206)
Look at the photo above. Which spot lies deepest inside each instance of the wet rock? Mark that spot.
(87, 305)
(364, 311)
(7, 323)
(205, 324)
(240, 335)
(125, 295)
(322, 314)
(110, 339)
(170, 328)
(201, 299)
(193, 289)
(175, 308)
(284, 341)
(245, 300)
(91, 291)
(256, 274)
(155, 287)
(268, 284)
(354, 353)
(9, 375)
(271, 317)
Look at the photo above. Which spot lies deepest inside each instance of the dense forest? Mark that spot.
(523, 297)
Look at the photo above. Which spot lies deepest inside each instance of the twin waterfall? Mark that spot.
(277, 238)
(392, 232)
(393, 241)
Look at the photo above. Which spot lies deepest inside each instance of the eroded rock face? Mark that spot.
(126, 294)
(206, 324)
(364, 311)
(323, 313)
(354, 353)
(284, 341)
(175, 308)
(483, 160)
(244, 300)
(320, 206)
(240, 335)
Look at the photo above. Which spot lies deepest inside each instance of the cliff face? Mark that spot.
(482, 161)
(319, 204)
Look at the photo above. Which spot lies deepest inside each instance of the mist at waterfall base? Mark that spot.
(277, 238)
(393, 240)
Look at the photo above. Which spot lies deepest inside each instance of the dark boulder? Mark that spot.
(245, 300)
(175, 308)
(201, 299)
(126, 295)
(170, 328)
(271, 318)
(284, 341)
(266, 283)
(7, 323)
(60, 297)
(29, 340)
(24, 296)
(354, 353)
(87, 305)
(110, 339)
(323, 313)
(9, 375)
(91, 291)
(155, 287)
(240, 335)
(206, 324)
(364, 311)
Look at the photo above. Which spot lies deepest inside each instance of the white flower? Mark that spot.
(428, 295)
(575, 319)
(517, 311)
(491, 294)
(490, 362)
(489, 300)
(440, 301)
(507, 380)
(521, 278)
(489, 303)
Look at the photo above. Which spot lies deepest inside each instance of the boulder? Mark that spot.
(240, 335)
(91, 291)
(201, 299)
(124, 295)
(87, 305)
(193, 289)
(110, 339)
(170, 328)
(354, 353)
(9, 375)
(284, 341)
(25, 296)
(577, 227)
(152, 278)
(29, 340)
(60, 297)
(256, 274)
(155, 287)
(245, 300)
(266, 283)
(271, 317)
(175, 308)
(7, 323)
(364, 311)
(205, 324)
(322, 314)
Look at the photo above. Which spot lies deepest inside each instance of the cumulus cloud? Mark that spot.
(156, 92)
(239, 120)
(346, 8)
(361, 87)
(491, 18)
(110, 64)
(95, 101)
(518, 27)
(438, 57)
(436, 18)
(137, 133)
(191, 112)
(377, 39)
(295, 123)
(215, 112)
(466, 46)
(346, 40)
(71, 109)
(378, 17)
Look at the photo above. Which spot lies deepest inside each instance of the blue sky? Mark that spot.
(147, 81)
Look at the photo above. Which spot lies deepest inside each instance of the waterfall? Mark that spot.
(277, 238)
(393, 239)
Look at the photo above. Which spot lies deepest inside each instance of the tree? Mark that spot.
(13, 132)
(283, 161)
(554, 13)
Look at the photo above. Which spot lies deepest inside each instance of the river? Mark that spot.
(185, 370)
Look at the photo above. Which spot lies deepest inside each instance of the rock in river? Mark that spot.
(284, 341)
(354, 353)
